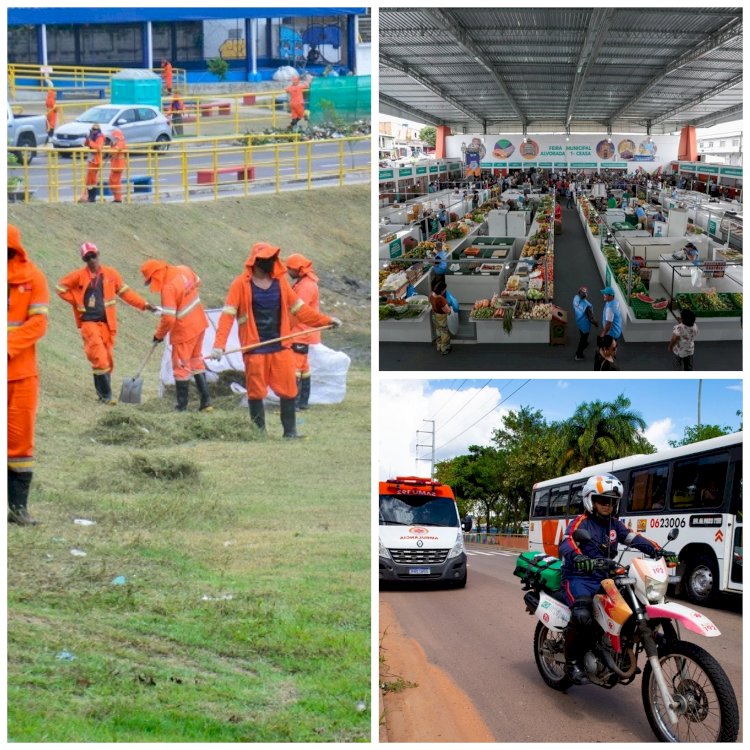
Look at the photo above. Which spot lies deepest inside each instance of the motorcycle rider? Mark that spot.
(580, 577)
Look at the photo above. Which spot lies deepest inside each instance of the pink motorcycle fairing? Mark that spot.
(691, 619)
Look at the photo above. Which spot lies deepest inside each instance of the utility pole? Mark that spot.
(430, 445)
(700, 387)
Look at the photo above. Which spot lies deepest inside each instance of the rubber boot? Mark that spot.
(19, 483)
(202, 385)
(92, 195)
(101, 387)
(288, 419)
(107, 389)
(303, 393)
(257, 413)
(183, 394)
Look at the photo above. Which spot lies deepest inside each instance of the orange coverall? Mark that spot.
(50, 102)
(306, 287)
(166, 72)
(296, 99)
(183, 316)
(28, 304)
(98, 337)
(117, 163)
(263, 370)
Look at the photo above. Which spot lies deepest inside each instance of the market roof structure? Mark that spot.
(651, 70)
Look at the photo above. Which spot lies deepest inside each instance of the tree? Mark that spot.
(218, 67)
(699, 432)
(428, 135)
(523, 441)
(599, 431)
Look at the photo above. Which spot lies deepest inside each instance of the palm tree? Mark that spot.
(600, 431)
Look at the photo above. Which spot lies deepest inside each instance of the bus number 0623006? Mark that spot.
(667, 523)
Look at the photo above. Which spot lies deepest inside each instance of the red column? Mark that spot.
(443, 132)
(688, 149)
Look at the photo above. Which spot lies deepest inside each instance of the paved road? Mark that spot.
(324, 166)
(482, 637)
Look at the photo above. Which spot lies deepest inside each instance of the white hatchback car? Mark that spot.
(140, 123)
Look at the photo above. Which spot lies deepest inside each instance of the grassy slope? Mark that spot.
(192, 506)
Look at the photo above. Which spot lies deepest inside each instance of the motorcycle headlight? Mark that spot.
(655, 590)
(383, 551)
(458, 547)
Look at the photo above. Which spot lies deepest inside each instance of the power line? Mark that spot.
(467, 403)
(484, 415)
(448, 400)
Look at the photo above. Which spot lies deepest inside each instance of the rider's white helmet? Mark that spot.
(602, 484)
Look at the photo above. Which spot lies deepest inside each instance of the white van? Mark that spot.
(420, 533)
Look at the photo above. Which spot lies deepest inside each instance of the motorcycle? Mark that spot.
(686, 694)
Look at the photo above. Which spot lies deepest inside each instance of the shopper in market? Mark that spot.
(606, 353)
(640, 215)
(440, 311)
(611, 316)
(682, 344)
(584, 312)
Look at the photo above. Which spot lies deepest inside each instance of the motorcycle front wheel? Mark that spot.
(707, 707)
(549, 654)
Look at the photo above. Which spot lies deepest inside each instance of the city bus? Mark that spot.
(695, 488)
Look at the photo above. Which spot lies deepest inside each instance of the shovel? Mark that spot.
(130, 393)
(276, 340)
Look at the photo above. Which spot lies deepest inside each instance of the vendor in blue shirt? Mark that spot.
(640, 214)
(440, 260)
(611, 317)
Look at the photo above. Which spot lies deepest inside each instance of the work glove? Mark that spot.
(216, 353)
(584, 564)
(336, 322)
(669, 557)
(157, 340)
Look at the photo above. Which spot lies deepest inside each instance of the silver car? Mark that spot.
(139, 123)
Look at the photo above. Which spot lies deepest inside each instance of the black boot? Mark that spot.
(183, 394)
(288, 418)
(303, 393)
(202, 385)
(574, 638)
(100, 386)
(92, 195)
(107, 389)
(257, 413)
(19, 483)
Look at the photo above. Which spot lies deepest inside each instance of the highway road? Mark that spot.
(324, 166)
(482, 637)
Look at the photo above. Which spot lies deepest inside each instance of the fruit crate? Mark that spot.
(688, 301)
(641, 310)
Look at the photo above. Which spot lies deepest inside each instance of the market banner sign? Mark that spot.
(443, 167)
(614, 165)
(707, 170)
(395, 249)
(515, 164)
(406, 172)
(386, 174)
(713, 227)
(421, 170)
(433, 169)
(687, 167)
(730, 171)
(584, 165)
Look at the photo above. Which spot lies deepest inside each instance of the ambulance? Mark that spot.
(420, 533)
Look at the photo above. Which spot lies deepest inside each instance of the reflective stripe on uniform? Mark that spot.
(168, 310)
(38, 309)
(229, 310)
(185, 310)
(21, 463)
(110, 303)
(61, 288)
(242, 320)
(629, 538)
(296, 306)
(123, 288)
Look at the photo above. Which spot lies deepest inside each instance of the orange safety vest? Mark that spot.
(97, 146)
(28, 306)
(72, 289)
(183, 316)
(239, 304)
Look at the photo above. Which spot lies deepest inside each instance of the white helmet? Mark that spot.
(602, 484)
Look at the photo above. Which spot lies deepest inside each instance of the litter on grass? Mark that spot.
(65, 656)
(78, 553)
(225, 598)
(119, 581)
(84, 522)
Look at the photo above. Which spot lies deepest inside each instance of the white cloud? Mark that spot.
(660, 432)
(736, 387)
(405, 404)
(562, 384)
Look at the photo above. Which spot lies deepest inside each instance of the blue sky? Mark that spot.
(466, 411)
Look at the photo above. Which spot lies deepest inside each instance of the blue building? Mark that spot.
(253, 41)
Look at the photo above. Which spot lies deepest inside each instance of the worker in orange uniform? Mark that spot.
(117, 163)
(305, 284)
(92, 292)
(166, 74)
(95, 142)
(296, 100)
(175, 113)
(28, 304)
(185, 320)
(265, 306)
(50, 104)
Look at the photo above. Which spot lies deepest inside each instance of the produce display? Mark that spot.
(402, 309)
(453, 231)
(710, 303)
(421, 250)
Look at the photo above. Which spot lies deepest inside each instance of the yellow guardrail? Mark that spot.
(195, 169)
(25, 77)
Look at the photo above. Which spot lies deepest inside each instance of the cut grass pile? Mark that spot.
(222, 592)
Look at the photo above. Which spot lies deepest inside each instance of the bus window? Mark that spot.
(576, 500)
(735, 504)
(648, 489)
(541, 500)
(699, 483)
(558, 501)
